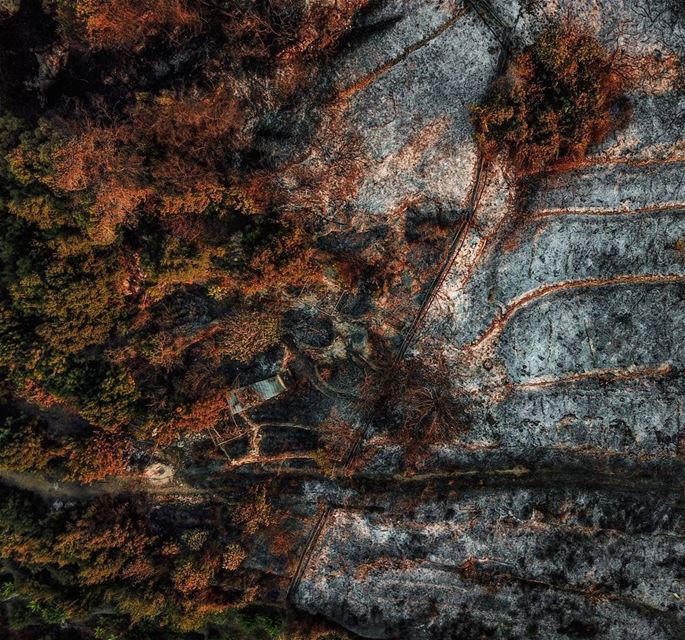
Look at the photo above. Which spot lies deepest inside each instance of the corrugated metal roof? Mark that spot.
(254, 394)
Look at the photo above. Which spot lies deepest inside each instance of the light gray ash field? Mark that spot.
(559, 512)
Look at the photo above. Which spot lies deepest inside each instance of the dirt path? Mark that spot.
(53, 490)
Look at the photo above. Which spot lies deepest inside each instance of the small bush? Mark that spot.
(249, 333)
(97, 458)
(558, 97)
(194, 574)
(256, 512)
(233, 557)
(124, 24)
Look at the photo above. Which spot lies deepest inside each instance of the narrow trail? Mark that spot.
(501, 32)
(497, 326)
(485, 243)
(599, 161)
(599, 213)
(370, 78)
(499, 28)
(53, 490)
(613, 374)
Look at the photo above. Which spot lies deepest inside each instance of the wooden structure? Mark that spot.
(250, 396)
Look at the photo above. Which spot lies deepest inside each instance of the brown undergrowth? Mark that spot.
(557, 98)
(414, 404)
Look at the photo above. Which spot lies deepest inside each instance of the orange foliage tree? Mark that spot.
(127, 24)
(106, 542)
(98, 457)
(555, 100)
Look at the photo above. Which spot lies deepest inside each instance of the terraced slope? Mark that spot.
(560, 514)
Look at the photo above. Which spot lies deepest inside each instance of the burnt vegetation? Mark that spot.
(557, 98)
(413, 403)
(147, 240)
(153, 254)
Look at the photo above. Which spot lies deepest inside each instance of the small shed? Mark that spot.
(252, 395)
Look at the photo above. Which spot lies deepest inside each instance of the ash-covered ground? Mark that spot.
(559, 512)
(553, 506)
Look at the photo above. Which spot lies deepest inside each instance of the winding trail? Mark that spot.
(497, 326)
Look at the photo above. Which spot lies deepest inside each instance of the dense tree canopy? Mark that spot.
(147, 252)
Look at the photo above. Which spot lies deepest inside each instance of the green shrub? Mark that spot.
(23, 447)
(106, 395)
(76, 302)
(33, 159)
